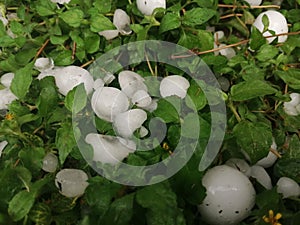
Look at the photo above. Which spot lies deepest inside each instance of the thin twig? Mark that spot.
(275, 152)
(252, 6)
(87, 63)
(149, 65)
(41, 49)
(230, 15)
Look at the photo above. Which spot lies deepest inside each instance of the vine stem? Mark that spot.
(41, 49)
(252, 6)
(235, 113)
(275, 152)
(228, 46)
(87, 63)
(230, 15)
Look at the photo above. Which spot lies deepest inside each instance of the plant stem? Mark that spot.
(252, 7)
(230, 15)
(41, 49)
(235, 113)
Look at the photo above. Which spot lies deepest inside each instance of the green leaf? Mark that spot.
(120, 211)
(197, 16)
(22, 81)
(251, 89)
(21, 204)
(45, 8)
(40, 213)
(290, 77)
(103, 6)
(62, 58)
(256, 39)
(266, 22)
(72, 17)
(267, 52)
(65, 141)
(196, 98)
(7, 41)
(101, 23)
(170, 21)
(254, 138)
(78, 105)
(16, 27)
(268, 198)
(293, 150)
(166, 111)
(25, 56)
(92, 43)
(288, 168)
(164, 211)
(32, 158)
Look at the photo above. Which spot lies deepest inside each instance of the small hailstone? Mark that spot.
(2, 146)
(227, 52)
(218, 35)
(127, 122)
(109, 149)
(71, 76)
(292, 107)
(50, 163)
(147, 6)
(152, 107)
(107, 102)
(98, 83)
(71, 182)
(254, 2)
(260, 174)
(143, 132)
(288, 187)
(239, 164)
(122, 22)
(3, 20)
(43, 64)
(141, 98)
(277, 23)
(6, 98)
(6, 79)
(61, 1)
(270, 159)
(174, 85)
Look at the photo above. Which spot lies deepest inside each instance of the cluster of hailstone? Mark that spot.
(115, 105)
(292, 107)
(6, 95)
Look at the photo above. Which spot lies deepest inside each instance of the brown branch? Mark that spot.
(230, 15)
(252, 6)
(275, 152)
(41, 49)
(87, 63)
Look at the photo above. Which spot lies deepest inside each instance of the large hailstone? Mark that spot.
(288, 187)
(71, 76)
(71, 182)
(131, 82)
(230, 196)
(107, 102)
(292, 107)
(109, 149)
(122, 22)
(127, 122)
(174, 85)
(147, 6)
(277, 23)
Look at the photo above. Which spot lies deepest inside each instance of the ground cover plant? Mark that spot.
(50, 51)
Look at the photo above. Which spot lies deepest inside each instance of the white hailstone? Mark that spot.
(147, 6)
(143, 131)
(71, 76)
(98, 83)
(6, 98)
(292, 107)
(50, 163)
(277, 23)
(254, 2)
(71, 182)
(230, 196)
(152, 107)
(122, 22)
(218, 35)
(12, 16)
(107, 102)
(141, 98)
(227, 52)
(6, 79)
(43, 64)
(288, 187)
(262, 177)
(108, 78)
(109, 149)
(61, 1)
(270, 159)
(130, 82)
(239, 164)
(174, 85)
(2, 146)
(3, 20)
(127, 122)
